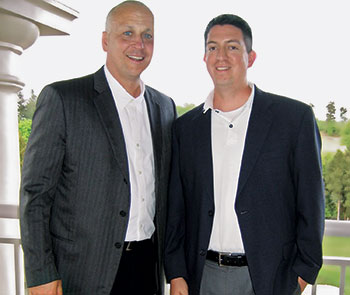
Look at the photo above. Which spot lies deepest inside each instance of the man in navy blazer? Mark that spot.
(246, 203)
(95, 173)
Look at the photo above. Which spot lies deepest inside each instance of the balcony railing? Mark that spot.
(339, 229)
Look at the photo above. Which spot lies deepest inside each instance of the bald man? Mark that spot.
(95, 172)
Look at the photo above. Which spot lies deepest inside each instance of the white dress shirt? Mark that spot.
(228, 133)
(135, 123)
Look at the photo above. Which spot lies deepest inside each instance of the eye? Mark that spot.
(148, 36)
(232, 47)
(211, 48)
(127, 33)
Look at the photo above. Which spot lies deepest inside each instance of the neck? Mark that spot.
(130, 84)
(231, 99)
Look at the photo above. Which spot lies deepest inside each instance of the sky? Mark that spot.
(302, 49)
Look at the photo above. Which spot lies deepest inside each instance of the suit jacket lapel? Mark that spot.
(202, 140)
(258, 127)
(108, 113)
(154, 115)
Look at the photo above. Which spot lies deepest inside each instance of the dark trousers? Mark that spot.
(137, 270)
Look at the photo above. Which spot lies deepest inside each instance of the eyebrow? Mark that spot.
(228, 41)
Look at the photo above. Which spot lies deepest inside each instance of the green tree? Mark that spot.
(345, 136)
(343, 112)
(24, 129)
(26, 107)
(330, 207)
(337, 181)
(330, 111)
(184, 109)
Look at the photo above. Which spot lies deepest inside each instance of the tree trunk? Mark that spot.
(338, 214)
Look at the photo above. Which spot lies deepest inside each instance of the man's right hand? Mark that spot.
(178, 286)
(52, 288)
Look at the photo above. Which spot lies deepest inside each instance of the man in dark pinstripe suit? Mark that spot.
(95, 173)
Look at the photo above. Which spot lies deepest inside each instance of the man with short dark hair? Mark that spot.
(95, 173)
(246, 203)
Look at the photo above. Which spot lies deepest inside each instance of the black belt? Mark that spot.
(134, 245)
(227, 259)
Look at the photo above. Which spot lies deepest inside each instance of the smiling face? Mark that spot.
(128, 41)
(227, 58)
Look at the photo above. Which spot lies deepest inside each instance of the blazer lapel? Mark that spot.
(202, 141)
(108, 113)
(258, 127)
(154, 115)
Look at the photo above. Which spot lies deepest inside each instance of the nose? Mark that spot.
(220, 53)
(139, 42)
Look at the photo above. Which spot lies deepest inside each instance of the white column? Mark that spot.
(16, 34)
(21, 23)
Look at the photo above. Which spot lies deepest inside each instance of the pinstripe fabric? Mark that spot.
(75, 193)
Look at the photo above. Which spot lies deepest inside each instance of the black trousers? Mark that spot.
(137, 270)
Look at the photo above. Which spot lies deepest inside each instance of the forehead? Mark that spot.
(133, 15)
(222, 32)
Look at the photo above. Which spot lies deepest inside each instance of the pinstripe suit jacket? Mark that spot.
(75, 184)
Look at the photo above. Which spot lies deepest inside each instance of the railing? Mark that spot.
(339, 229)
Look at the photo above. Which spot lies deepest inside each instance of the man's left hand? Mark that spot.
(302, 284)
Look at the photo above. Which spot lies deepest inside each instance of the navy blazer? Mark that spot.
(279, 202)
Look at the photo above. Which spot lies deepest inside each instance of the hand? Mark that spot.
(52, 288)
(302, 284)
(178, 286)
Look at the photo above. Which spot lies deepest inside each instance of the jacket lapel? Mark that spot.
(154, 115)
(108, 113)
(202, 141)
(258, 127)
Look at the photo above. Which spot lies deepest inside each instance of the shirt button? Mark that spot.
(140, 172)
(122, 213)
(231, 125)
(118, 245)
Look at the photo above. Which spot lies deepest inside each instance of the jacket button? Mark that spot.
(122, 213)
(118, 245)
(202, 252)
(125, 181)
(211, 213)
(244, 212)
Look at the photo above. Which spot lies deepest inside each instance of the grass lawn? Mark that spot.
(330, 274)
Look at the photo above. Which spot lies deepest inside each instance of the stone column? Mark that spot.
(21, 23)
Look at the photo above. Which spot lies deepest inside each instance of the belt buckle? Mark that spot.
(220, 259)
(128, 247)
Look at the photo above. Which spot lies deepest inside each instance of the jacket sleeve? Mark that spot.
(310, 199)
(174, 260)
(40, 173)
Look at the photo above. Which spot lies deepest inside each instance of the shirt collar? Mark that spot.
(208, 104)
(120, 95)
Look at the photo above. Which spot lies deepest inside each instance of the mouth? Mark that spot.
(136, 58)
(222, 68)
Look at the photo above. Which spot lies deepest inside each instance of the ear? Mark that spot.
(251, 58)
(105, 41)
(205, 57)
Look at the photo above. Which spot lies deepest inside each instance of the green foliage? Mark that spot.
(24, 128)
(331, 111)
(26, 108)
(343, 112)
(336, 173)
(185, 108)
(345, 140)
(331, 128)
